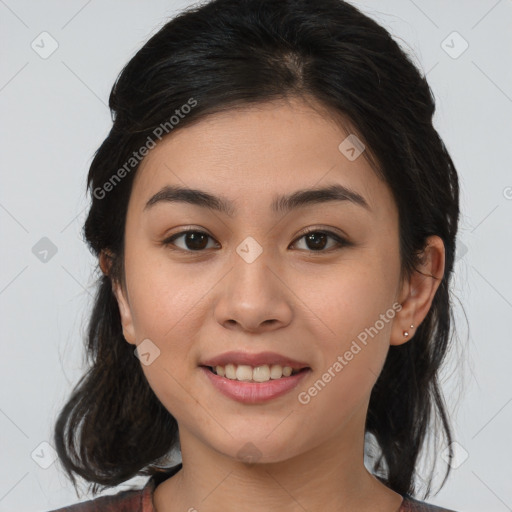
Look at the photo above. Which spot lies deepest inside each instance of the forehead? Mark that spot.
(258, 152)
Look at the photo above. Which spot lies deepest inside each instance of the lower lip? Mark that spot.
(254, 392)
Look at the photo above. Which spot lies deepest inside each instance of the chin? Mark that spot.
(257, 451)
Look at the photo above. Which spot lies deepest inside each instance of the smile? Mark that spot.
(244, 372)
(251, 391)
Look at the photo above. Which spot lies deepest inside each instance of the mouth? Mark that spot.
(257, 367)
(253, 378)
(254, 385)
(262, 373)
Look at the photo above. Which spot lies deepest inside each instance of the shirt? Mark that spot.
(141, 500)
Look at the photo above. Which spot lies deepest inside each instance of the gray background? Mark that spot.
(54, 116)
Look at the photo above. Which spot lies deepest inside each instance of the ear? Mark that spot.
(105, 261)
(418, 292)
(125, 312)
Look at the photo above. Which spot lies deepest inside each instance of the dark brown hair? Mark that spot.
(228, 53)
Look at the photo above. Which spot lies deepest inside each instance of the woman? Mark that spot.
(275, 218)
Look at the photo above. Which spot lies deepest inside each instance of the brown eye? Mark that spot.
(193, 240)
(197, 241)
(317, 241)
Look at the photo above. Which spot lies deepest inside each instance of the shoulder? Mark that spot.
(411, 504)
(133, 500)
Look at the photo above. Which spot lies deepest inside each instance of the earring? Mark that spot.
(406, 333)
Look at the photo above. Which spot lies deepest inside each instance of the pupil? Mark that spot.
(193, 240)
(311, 236)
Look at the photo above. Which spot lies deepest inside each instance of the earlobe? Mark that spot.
(418, 293)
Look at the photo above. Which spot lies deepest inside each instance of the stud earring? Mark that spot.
(406, 333)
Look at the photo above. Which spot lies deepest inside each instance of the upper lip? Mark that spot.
(259, 359)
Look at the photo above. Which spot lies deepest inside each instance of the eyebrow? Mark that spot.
(280, 204)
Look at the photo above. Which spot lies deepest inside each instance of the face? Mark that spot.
(251, 279)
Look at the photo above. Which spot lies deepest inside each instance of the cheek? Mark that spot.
(350, 365)
(162, 305)
(160, 294)
(348, 299)
(356, 314)
(167, 303)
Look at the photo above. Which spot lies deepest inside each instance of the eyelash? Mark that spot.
(341, 241)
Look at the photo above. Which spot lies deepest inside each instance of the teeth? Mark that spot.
(243, 372)
(276, 372)
(262, 373)
(230, 371)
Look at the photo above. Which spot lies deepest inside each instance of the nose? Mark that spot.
(254, 296)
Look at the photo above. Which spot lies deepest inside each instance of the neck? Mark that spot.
(329, 477)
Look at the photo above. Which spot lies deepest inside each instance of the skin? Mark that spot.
(306, 304)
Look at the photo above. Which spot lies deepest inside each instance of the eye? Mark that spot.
(316, 240)
(194, 240)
